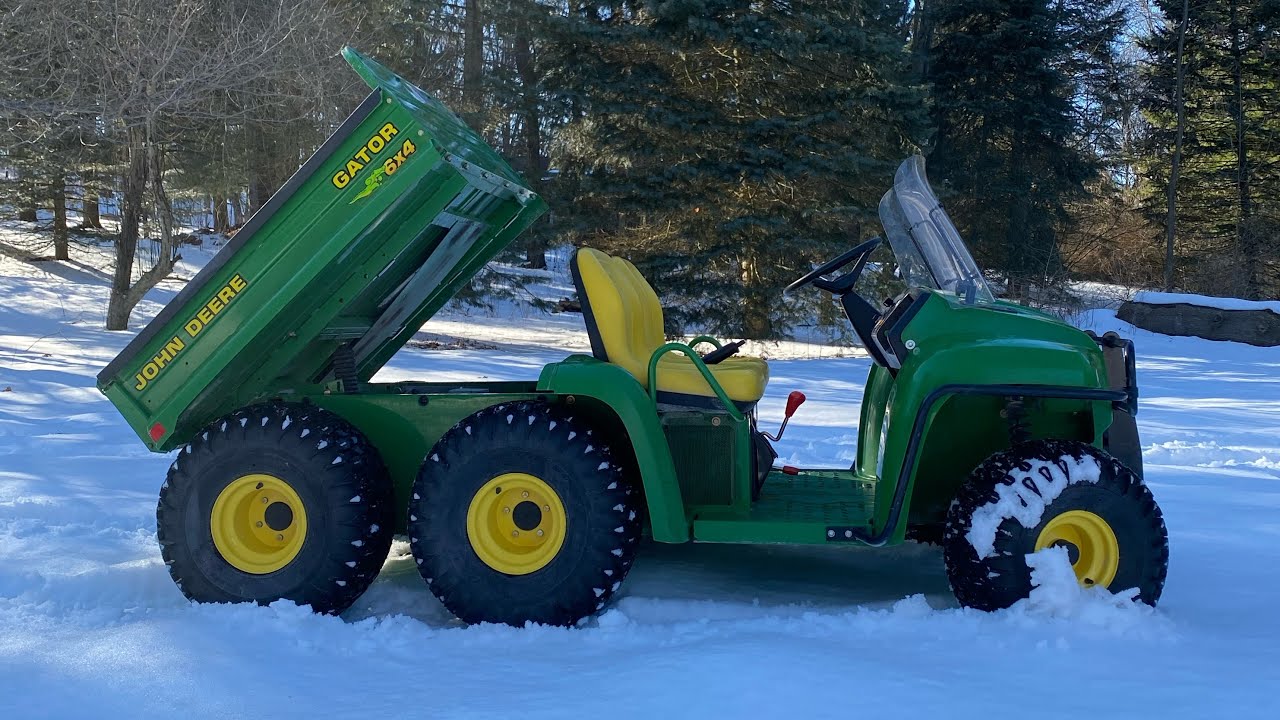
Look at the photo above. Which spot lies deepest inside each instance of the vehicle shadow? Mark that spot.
(690, 582)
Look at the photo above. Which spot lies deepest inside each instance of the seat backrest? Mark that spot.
(622, 312)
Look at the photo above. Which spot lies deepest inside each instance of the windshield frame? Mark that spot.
(925, 242)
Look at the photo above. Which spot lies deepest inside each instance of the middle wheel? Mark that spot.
(520, 514)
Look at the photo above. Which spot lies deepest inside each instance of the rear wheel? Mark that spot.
(276, 501)
(1053, 493)
(521, 514)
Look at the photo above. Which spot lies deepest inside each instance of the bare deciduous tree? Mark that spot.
(144, 74)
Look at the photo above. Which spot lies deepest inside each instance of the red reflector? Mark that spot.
(157, 432)
(790, 470)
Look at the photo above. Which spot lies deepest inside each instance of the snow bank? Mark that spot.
(1211, 455)
(1151, 297)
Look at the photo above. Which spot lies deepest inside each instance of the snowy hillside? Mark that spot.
(92, 626)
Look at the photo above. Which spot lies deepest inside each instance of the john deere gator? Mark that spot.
(993, 429)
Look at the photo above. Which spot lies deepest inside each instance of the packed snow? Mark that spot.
(1221, 303)
(92, 626)
(1025, 500)
(1055, 592)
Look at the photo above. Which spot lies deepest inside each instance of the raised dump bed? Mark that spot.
(390, 217)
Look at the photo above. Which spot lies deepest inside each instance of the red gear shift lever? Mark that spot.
(794, 401)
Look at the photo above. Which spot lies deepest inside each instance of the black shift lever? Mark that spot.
(725, 351)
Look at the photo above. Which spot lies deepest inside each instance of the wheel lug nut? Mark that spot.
(506, 511)
(539, 533)
(524, 494)
(546, 508)
(259, 523)
(279, 537)
(515, 533)
(265, 501)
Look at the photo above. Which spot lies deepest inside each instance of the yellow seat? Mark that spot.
(624, 322)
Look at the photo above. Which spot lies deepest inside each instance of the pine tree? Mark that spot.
(724, 145)
(482, 59)
(1227, 217)
(1013, 85)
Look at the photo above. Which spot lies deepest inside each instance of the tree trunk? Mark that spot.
(221, 222)
(473, 62)
(1237, 112)
(146, 161)
(535, 160)
(756, 323)
(163, 213)
(535, 251)
(237, 210)
(1016, 239)
(135, 182)
(921, 37)
(261, 170)
(1175, 166)
(92, 218)
(1018, 233)
(1249, 250)
(90, 214)
(60, 249)
(259, 193)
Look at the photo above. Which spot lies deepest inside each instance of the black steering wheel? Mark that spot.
(862, 314)
(844, 283)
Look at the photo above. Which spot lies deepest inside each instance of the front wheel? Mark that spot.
(1053, 493)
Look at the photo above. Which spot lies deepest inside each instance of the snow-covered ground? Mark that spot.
(91, 626)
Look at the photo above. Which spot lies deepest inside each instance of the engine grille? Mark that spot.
(703, 454)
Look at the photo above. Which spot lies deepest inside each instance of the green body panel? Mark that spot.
(953, 344)
(876, 398)
(613, 395)
(956, 344)
(378, 230)
(798, 508)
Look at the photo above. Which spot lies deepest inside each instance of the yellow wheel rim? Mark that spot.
(1092, 545)
(516, 524)
(258, 523)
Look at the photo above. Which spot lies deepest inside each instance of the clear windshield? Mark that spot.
(926, 243)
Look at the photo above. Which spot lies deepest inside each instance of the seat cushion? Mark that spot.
(743, 378)
(624, 322)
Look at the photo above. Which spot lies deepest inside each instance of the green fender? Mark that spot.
(987, 363)
(585, 378)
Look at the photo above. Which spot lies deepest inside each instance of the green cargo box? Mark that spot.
(398, 209)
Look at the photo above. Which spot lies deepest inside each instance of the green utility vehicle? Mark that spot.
(990, 428)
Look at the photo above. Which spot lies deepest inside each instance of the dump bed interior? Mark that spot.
(398, 209)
